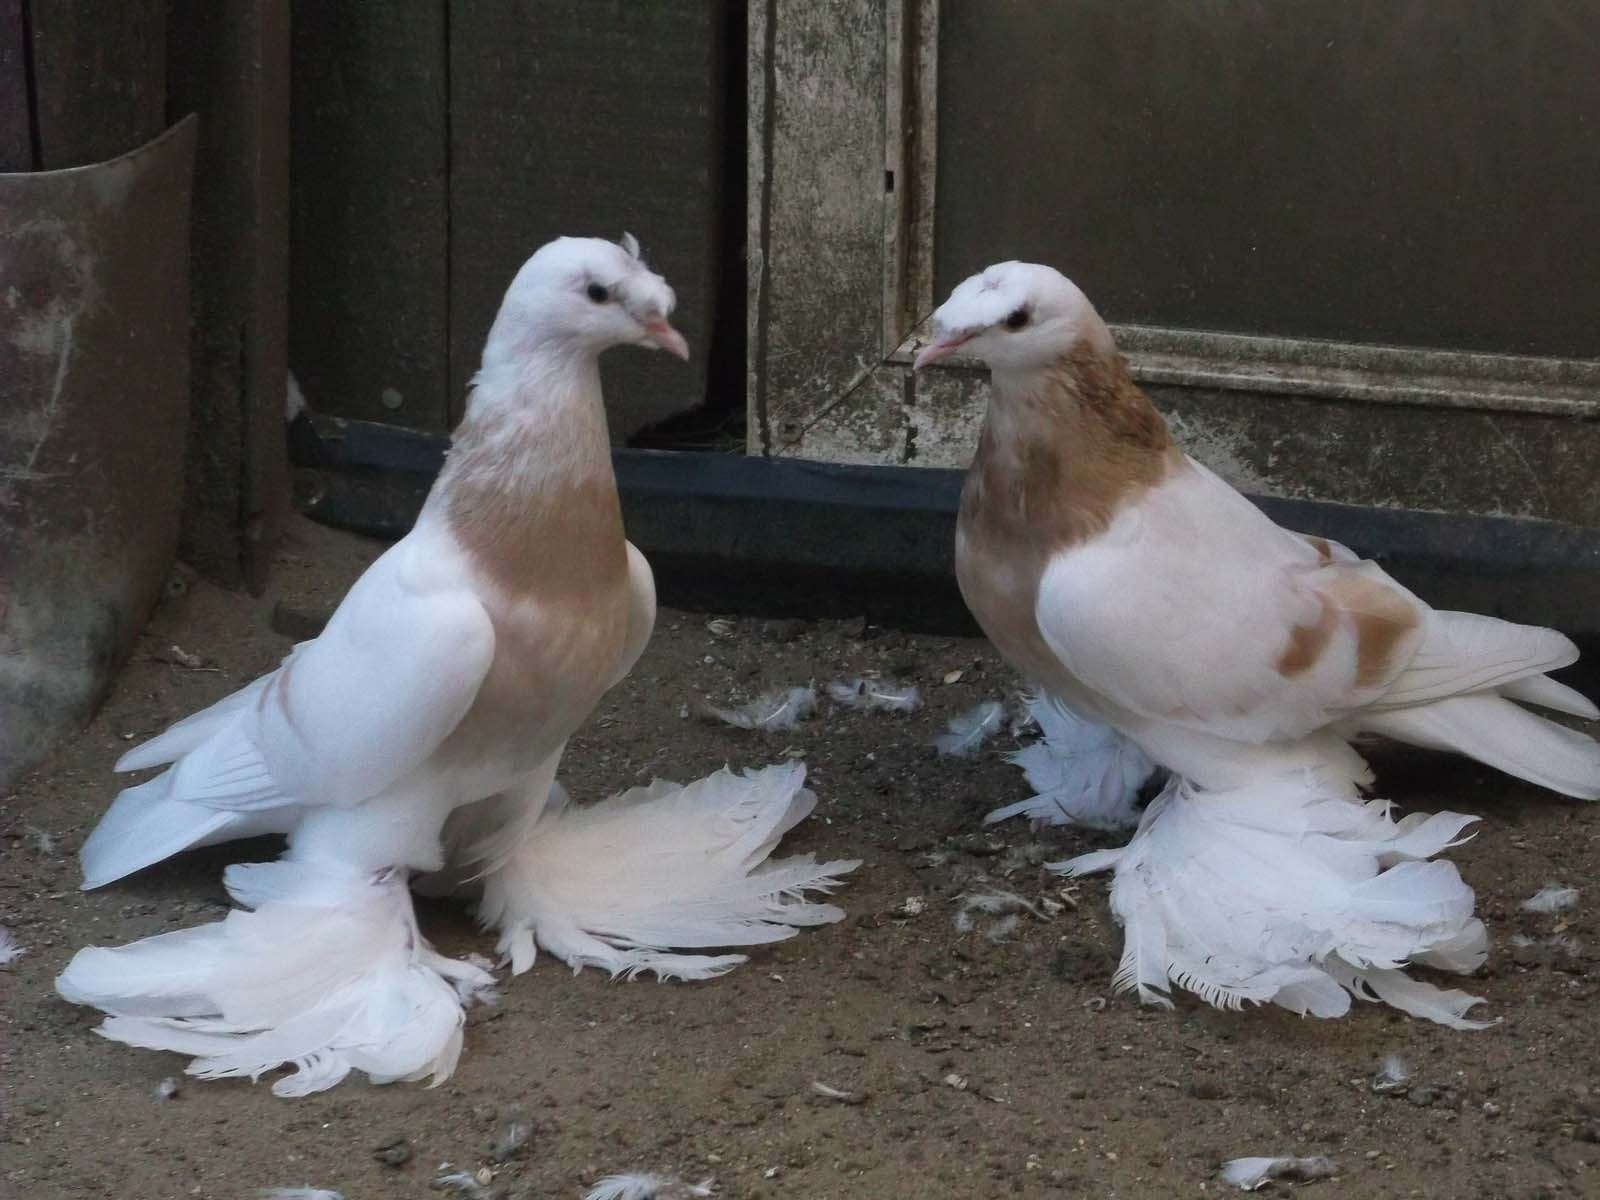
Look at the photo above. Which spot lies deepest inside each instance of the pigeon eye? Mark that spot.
(1017, 319)
(598, 294)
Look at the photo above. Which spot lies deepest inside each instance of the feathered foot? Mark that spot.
(327, 975)
(1285, 891)
(617, 884)
(1083, 773)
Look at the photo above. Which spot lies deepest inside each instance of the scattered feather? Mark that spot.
(1004, 905)
(1393, 1078)
(1003, 928)
(44, 842)
(1552, 897)
(648, 1187)
(780, 708)
(10, 949)
(880, 695)
(300, 1193)
(969, 731)
(999, 904)
(512, 1136)
(911, 906)
(828, 1092)
(167, 1088)
(177, 656)
(462, 1183)
(1251, 1174)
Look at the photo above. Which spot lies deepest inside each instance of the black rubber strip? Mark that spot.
(786, 537)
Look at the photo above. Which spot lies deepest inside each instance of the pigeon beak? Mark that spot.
(667, 338)
(940, 348)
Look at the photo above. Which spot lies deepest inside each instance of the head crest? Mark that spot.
(630, 246)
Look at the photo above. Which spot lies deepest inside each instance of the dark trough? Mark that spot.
(782, 537)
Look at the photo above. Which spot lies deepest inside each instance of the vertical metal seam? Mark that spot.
(769, 84)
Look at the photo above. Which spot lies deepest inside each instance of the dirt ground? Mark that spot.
(978, 1067)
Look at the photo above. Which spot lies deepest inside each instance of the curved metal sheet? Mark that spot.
(94, 375)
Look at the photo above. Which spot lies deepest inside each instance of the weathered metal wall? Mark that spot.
(1409, 172)
(436, 149)
(94, 287)
(1062, 157)
(370, 303)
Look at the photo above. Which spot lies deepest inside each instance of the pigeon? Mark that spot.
(419, 735)
(1142, 593)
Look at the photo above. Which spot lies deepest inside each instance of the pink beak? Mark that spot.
(668, 338)
(940, 348)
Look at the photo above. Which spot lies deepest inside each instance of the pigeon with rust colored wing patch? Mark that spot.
(422, 730)
(1145, 594)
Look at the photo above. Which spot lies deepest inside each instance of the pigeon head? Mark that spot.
(586, 294)
(1016, 317)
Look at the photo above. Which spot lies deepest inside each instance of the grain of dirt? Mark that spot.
(1064, 1089)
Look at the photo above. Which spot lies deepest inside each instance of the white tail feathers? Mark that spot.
(1082, 772)
(1286, 892)
(146, 824)
(327, 975)
(1547, 693)
(1496, 731)
(616, 884)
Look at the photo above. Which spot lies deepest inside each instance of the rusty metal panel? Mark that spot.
(586, 117)
(94, 369)
(100, 77)
(369, 297)
(230, 64)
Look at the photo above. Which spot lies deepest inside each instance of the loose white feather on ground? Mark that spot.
(882, 695)
(621, 884)
(1082, 772)
(648, 1187)
(1287, 892)
(1253, 1174)
(966, 733)
(1552, 897)
(779, 709)
(10, 948)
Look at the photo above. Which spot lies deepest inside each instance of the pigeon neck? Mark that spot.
(528, 482)
(1062, 449)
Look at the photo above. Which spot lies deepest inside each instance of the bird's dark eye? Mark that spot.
(1017, 319)
(598, 294)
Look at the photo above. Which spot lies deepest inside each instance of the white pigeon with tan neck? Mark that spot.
(447, 681)
(1145, 594)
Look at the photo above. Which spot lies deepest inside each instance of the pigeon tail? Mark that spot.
(1082, 772)
(1286, 891)
(620, 884)
(323, 971)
